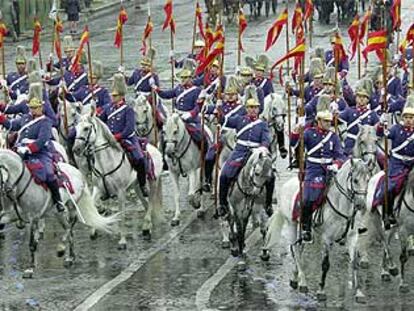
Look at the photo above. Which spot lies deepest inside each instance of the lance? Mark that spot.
(310, 28)
(336, 56)
(301, 141)
(398, 29)
(358, 43)
(153, 94)
(239, 42)
(194, 29)
(289, 103)
(366, 39)
(3, 68)
(172, 65)
(287, 38)
(412, 70)
(88, 47)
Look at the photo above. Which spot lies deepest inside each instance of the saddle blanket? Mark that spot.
(296, 205)
(396, 183)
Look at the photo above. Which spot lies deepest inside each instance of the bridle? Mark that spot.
(176, 158)
(145, 124)
(251, 182)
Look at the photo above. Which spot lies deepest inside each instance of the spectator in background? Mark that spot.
(72, 8)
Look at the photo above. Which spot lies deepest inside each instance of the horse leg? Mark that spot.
(122, 244)
(193, 189)
(176, 188)
(28, 273)
(147, 223)
(298, 256)
(232, 234)
(354, 256)
(70, 255)
(225, 231)
(273, 233)
(42, 226)
(325, 268)
(403, 260)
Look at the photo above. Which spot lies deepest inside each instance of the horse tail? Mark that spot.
(91, 215)
(274, 230)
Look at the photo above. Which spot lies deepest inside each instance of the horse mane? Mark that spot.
(272, 100)
(106, 132)
(8, 154)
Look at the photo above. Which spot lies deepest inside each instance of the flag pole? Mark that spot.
(153, 94)
(289, 103)
(88, 46)
(287, 38)
(336, 57)
(239, 43)
(358, 43)
(310, 28)
(194, 28)
(65, 110)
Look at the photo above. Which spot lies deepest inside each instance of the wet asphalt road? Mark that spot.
(168, 272)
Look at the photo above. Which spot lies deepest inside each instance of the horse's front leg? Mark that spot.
(194, 198)
(122, 243)
(147, 223)
(404, 288)
(176, 190)
(70, 255)
(354, 257)
(299, 273)
(33, 242)
(325, 268)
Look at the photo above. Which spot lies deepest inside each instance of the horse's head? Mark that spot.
(143, 114)
(275, 111)
(85, 134)
(73, 112)
(366, 146)
(174, 131)
(357, 182)
(259, 168)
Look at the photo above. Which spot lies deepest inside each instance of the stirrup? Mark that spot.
(307, 237)
(206, 187)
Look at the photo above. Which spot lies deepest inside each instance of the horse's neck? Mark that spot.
(335, 195)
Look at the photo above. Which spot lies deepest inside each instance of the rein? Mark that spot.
(177, 159)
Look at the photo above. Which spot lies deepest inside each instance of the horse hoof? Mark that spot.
(410, 252)
(321, 295)
(234, 252)
(146, 234)
(93, 235)
(265, 256)
(364, 264)
(225, 244)
(68, 263)
(41, 235)
(360, 297)
(28, 274)
(175, 222)
(385, 277)
(404, 288)
(201, 214)
(293, 284)
(303, 289)
(393, 271)
(241, 266)
(60, 250)
(194, 201)
(122, 246)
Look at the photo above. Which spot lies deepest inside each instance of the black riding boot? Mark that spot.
(270, 185)
(295, 160)
(281, 143)
(307, 222)
(208, 174)
(389, 219)
(57, 200)
(223, 208)
(142, 177)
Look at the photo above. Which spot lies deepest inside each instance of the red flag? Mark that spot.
(297, 18)
(58, 31)
(396, 14)
(147, 32)
(218, 50)
(242, 27)
(122, 19)
(408, 39)
(339, 48)
(274, 31)
(308, 9)
(297, 51)
(199, 17)
(169, 19)
(300, 34)
(75, 68)
(354, 36)
(37, 29)
(3, 33)
(218, 34)
(377, 41)
(364, 24)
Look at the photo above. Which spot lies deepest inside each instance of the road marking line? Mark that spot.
(204, 292)
(106, 288)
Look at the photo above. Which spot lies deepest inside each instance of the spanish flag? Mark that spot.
(3, 33)
(274, 32)
(122, 19)
(169, 19)
(58, 31)
(217, 51)
(297, 51)
(309, 8)
(242, 27)
(339, 48)
(199, 17)
(147, 32)
(37, 29)
(354, 35)
(377, 41)
(396, 14)
(75, 68)
(408, 39)
(297, 18)
(209, 36)
(365, 24)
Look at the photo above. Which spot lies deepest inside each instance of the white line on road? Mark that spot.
(204, 292)
(101, 292)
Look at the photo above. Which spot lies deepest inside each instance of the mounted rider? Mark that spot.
(17, 82)
(252, 132)
(228, 108)
(120, 119)
(34, 144)
(401, 160)
(324, 155)
(343, 65)
(246, 78)
(199, 46)
(260, 66)
(211, 78)
(69, 49)
(352, 117)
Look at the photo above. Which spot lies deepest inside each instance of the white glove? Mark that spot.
(302, 121)
(384, 119)
(333, 168)
(333, 107)
(51, 55)
(263, 149)
(21, 98)
(186, 115)
(3, 82)
(62, 84)
(382, 91)
(121, 69)
(219, 103)
(299, 103)
(151, 82)
(41, 72)
(397, 58)
(203, 94)
(171, 54)
(22, 150)
(237, 70)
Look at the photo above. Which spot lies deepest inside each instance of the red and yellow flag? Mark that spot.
(37, 29)
(209, 36)
(122, 19)
(169, 19)
(3, 33)
(354, 35)
(216, 52)
(377, 41)
(408, 39)
(339, 48)
(242, 27)
(309, 7)
(396, 14)
(297, 51)
(199, 17)
(297, 18)
(364, 24)
(300, 33)
(146, 34)
(57, 43)
(75, 68)
(274, 31)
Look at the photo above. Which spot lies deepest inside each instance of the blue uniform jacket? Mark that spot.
(85, 94)
(17, 84)
(141, 81)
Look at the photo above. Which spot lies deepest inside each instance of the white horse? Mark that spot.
(346, 195)
(246, 195)
(25, 202)
(183, 158)
(113, 175)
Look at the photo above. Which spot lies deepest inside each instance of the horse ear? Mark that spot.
(352, 162)
(93, 111)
